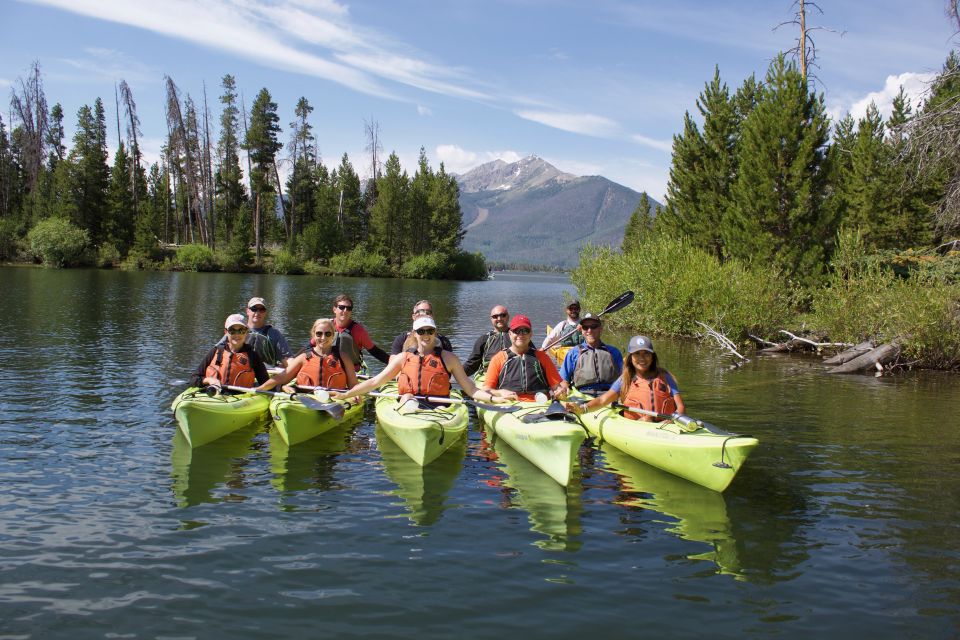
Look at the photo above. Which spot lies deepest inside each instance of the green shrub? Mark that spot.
(58, 243)
(360, 262)
(195, 257)
(426, 266)
(285, 263)
(467, 266)
(677, 284)
(865, 299)
(10, 235)
(107, 255)
(314, 268)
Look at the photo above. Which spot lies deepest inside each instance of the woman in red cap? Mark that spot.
(522, 368)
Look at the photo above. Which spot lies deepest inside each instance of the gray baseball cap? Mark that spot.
(640, 343)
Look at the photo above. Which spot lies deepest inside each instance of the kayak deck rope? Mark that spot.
(721, 464)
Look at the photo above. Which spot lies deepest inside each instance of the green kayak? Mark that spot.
(705, 455)
(296, 422)
(424, 434)
(204, 418)
(550, 444)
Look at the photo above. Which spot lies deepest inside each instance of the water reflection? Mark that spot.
(198, 472)
(554, 510)
(310, 464)
(424, 489)
(698, 514)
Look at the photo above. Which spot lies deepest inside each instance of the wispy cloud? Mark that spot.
(659, 145)
(112, 65)
(585, 123)
(455, 159)
(5, 83)
(424, 111)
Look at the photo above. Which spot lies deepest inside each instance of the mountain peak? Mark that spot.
(532, 171)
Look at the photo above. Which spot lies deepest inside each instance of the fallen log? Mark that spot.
(850, 354)
(879, 356)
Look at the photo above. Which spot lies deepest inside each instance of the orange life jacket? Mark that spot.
(424, 375)
(232, 368)
(323, 371)
(651, 395)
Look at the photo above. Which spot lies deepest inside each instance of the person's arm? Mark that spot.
(675, 392)
(389, 373)
(569, 364)
(265, 382)
(554, 334)
(492, 379)
(293, 368)
(198, 379)
(453, 365)
(473, 362)
(558, 386)
(349, 369)
(602, 400)
(379, 354)
(397, 345)
(283, 347)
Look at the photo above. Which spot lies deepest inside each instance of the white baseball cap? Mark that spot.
(256, 301)
(235, 319)
(424, 321)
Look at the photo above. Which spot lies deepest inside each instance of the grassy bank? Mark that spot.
(862, 297)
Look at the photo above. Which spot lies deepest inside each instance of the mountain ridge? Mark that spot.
(531, 212)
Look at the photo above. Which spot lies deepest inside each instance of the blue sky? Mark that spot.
(594, 87)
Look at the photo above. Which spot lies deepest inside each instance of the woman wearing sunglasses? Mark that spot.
(233, 363)
(425, 370)
(324, 364)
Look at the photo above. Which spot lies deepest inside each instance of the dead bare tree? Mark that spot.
(29, 108)
(256, 202)
(181, 143)
(208, 171)
(133, 136)
(806, 50)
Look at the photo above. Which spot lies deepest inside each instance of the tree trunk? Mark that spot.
(849, 354)
(881, 355)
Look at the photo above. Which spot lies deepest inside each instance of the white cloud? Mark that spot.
(424, 111)
(102, 63)
(455, 159)
(659, 145)
(6, 83)
(585, 123)
(915, 86)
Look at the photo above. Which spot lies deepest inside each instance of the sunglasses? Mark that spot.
(521, 331)
(323, 334)
(426, 331)
(258, 309)
(423, 312)
(345, 307)
(498, 315)
(590, 327)
(237, 332)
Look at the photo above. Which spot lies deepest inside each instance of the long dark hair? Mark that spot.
(630, 371)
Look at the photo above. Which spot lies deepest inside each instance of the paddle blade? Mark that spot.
(335, 409)
(555, 410)
(619, 302)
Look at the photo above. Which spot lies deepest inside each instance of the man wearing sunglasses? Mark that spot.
(490, 343)
(265, 339)
(566, 325)
(524, 369)
(592, 366)
(423, 309)
(345, 324)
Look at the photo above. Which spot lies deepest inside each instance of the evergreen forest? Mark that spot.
(200, 208)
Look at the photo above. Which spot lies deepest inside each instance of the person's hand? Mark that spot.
(561, 391)
(340, 395)
(289, 388)
(574, 407)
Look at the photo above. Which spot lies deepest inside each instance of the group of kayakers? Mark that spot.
(503, 362)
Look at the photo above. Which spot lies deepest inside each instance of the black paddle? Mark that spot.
(685, 421)
(441, 400)
(335, 409)
(616, 304)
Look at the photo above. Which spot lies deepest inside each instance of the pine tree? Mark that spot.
(90, 178)
(446, 217)
(351, 212)
(302, 182)
(389, 217)
(639, 225)
(121, 216)
(419, 239)
(777, 215)
(911, 204)
(262, 145)
(704, 167)
(228, 178)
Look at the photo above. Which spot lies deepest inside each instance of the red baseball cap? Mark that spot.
(520, 321)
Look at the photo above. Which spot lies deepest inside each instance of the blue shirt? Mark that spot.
(570, 365)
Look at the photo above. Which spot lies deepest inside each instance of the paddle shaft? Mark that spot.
(335, 409)
(616, 304)
(442, 400)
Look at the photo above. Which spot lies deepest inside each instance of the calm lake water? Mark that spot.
(844, 521)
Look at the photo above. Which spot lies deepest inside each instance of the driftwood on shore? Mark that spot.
(874, 358)
(866, 355)
(725, 343)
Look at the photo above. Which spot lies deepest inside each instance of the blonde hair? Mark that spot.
(319, 322)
